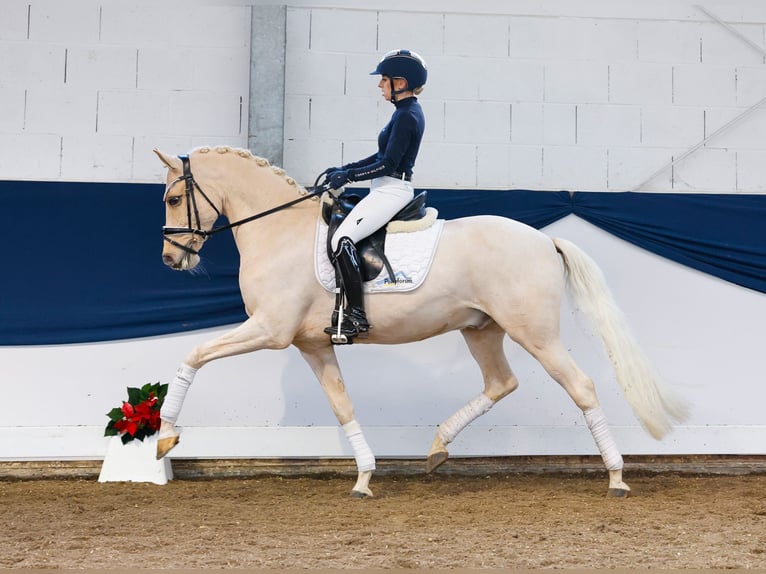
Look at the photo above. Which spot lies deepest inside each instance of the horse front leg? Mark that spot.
(324, 363)
(249, 336)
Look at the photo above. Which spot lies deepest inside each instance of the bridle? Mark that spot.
(193, 212)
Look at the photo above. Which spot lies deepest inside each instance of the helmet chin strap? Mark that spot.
(394, 92)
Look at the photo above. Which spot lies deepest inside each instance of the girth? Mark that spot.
(371, 249)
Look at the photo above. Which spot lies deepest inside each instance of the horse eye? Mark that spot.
(175, 200)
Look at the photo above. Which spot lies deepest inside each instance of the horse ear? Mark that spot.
(171, 162)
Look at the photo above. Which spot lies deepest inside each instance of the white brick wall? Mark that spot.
(546, 95)
(88, 87)
(540, 95)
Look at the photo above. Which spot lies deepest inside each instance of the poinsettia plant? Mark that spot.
(139, 416)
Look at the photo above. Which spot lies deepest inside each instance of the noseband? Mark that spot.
(192, 211)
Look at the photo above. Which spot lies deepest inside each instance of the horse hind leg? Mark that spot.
(486, 347)
(559, 364)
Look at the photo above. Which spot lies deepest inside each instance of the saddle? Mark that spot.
(371, 249)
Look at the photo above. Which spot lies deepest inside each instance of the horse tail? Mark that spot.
(655, 406)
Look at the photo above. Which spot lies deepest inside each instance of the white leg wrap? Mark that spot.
(365, 460)
(450, 428)
(602, 435)
(174, 400)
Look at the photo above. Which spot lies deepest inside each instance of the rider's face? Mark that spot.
(385, 86)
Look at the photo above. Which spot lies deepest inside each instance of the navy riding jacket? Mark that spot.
(398, 144)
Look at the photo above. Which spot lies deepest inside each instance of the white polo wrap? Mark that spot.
(450, 428)
(602, 435)
(174, 400)
(365, 460)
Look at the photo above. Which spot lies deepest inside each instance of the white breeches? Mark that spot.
(387, 197)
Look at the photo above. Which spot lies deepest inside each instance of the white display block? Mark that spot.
(135, 461)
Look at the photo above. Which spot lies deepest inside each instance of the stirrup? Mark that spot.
(345, 327)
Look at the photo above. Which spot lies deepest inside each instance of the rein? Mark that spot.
(191, 209)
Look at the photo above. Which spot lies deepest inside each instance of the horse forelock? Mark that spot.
(248, 155)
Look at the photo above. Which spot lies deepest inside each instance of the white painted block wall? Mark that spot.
(539, 95)
(88, 88)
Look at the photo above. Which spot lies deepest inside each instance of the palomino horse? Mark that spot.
(513, 286)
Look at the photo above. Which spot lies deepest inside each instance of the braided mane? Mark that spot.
(261, 161)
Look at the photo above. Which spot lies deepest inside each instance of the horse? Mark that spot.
(512, 281)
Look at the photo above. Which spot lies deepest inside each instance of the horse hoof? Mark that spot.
(617, 493)
(435, 460)
(164, 445)
(367, 493)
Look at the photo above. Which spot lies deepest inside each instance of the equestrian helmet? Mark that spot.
(403, 64)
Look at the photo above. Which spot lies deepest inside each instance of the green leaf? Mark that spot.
(134, 395)
(115, 414)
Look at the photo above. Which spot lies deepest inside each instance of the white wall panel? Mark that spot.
(14, 25)
(31, 156)
(751, 170)
(12, 111)
(96, 157)
(640, 83)
(52, 21)
(575, 168)
(553, 124)
(673, 42)
(223, 114)
(475, 35)
(446, 165)
(347, 31)
(408, 29)
(478, 122)
(629, 166)
(31, 65)
(751, 85)
(508, 80)
(126, 112)
(709, 169)
(698, 85)
(672, 126)
(574, 82)
(599, 124)
(101, 67)
(60, 110)
(719, 45)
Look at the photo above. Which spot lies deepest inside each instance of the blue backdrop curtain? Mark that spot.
(82, 260)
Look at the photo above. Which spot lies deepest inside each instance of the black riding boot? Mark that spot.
(347, 265)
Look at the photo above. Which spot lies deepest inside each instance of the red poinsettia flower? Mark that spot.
(139, 416)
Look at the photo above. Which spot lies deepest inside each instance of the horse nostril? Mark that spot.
(168, 260)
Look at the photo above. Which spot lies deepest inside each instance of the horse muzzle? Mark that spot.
(184, 256)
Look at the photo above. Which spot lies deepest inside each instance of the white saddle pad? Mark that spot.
(409, 252)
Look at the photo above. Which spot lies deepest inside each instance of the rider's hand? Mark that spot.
(338, 178)
(330, 170)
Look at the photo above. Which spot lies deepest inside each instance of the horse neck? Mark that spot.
(257, 189)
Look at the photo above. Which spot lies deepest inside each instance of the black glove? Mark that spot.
(338, 178)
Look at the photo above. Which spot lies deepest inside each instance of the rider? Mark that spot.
(403, 75)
